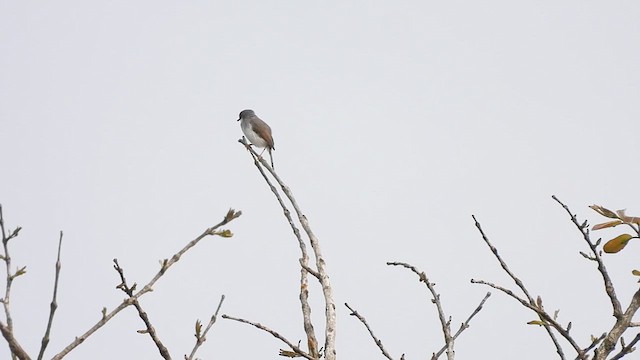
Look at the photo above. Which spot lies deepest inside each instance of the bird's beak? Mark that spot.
(238, 120)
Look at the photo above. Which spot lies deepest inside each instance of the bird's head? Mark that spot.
(245, 114)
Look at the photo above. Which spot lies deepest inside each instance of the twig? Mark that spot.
(7, 330)
(503, 264)
(166, 264)
(548, 320)
(309, 269)
(54, 303)
(164, 352)
(446, 326)
(201, 338)
(295, 349)
(608, 284)
(320, 274)
(594, 342)
(465, 324)
(375, 339)
(628, 348)
(531, 302)
(9, 279)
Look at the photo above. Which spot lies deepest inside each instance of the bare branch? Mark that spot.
(7, 330)
(594, 342)
(201, 338)
(375, 339)
(621, 325)
(54, 303)
(312, 342)
(17, 352)
(503, 264)
(446, 328)
(465, 324)
(628, 349)
(323, 277)
(608, 284)
(166, 264)
(548, 320)
(327, 291)
(295, 349)
(531, 302)
(164, 352)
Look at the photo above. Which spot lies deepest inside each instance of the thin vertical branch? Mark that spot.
(201, 338)
(323, 277)
(446, 328)
(608, 284)
(54, 304)
(320, 273)
(312, 342)
(7, 330)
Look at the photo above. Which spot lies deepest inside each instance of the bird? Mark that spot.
(257, 131)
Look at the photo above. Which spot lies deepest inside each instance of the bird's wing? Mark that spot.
(261, 128)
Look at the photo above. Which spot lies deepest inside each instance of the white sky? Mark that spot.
(393, 123)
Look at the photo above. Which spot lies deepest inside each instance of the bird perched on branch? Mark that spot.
(257, 131)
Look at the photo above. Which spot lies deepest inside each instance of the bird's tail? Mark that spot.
(271, 158)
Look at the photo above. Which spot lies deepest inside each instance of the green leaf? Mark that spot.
(198, 328)
(537, 322)
(225, 233)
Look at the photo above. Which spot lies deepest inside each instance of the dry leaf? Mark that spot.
(604, 211)
(617, 243)
(608, 224)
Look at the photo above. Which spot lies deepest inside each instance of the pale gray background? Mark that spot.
(393, 122)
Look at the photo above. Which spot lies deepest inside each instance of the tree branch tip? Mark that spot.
(232, 214)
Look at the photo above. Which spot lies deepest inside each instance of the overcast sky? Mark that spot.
(394, 122)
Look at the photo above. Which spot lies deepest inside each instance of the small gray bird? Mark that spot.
(257, 131)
